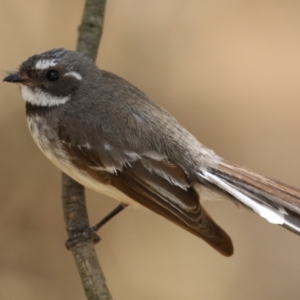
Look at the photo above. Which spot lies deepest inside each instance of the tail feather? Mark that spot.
(272, 200)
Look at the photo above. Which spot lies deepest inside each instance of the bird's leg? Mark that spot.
(90, 233)
(108, 217)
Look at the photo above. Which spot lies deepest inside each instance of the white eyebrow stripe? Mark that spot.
(43, 64)
(74, 74)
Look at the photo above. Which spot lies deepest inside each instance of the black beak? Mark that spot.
(15, 78)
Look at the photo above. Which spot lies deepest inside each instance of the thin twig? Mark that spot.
(74, 206)
(90, 30)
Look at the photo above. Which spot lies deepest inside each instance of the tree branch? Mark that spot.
(90, 30)
(74, 206)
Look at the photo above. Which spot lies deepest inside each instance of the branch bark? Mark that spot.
(74, 206)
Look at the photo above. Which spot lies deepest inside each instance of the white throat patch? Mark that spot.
(39, 98)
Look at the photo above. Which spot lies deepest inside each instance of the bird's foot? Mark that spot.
(82, 237)
(90, 234)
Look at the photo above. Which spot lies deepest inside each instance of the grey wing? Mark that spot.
(149, 178)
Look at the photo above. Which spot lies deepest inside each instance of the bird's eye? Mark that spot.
(52, 75)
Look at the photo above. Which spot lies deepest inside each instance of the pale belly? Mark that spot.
(59, 158)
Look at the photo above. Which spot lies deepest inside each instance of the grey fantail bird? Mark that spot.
(109, 136)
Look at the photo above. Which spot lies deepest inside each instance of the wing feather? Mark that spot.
(155, 183)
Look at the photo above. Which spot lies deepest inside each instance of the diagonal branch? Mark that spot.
(74, 206)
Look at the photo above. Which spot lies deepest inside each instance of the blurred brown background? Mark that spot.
(229, 71)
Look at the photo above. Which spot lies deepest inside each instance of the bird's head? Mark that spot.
(50, 79)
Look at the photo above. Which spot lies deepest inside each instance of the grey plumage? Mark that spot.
(103, 131)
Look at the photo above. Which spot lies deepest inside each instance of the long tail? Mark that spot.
(272, 200)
